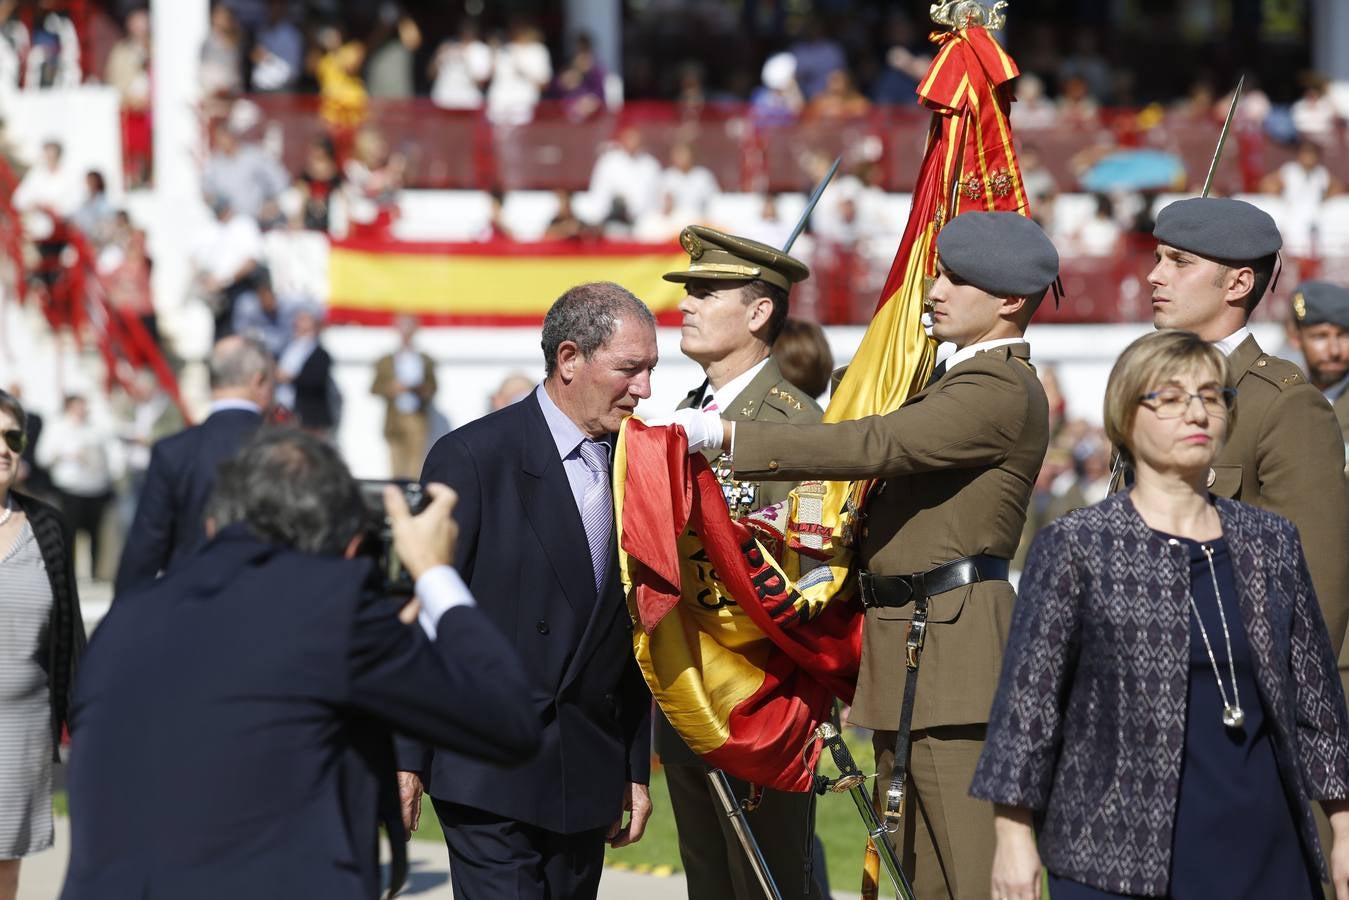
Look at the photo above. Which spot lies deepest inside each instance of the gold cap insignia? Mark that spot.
(692, 245)
(1299, 305)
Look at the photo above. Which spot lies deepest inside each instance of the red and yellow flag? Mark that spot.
(748, 629)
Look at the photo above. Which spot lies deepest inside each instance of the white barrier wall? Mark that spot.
(471, 363)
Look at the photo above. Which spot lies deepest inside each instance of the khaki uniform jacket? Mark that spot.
(1285, 453)
(386, 386)
(769, 397)
(1342, 416)
(958, 461)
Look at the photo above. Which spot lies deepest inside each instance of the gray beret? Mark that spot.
(1003, 253)
(1315, 302)
(1218, 228)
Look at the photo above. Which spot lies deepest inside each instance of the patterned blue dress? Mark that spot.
(1235, 834)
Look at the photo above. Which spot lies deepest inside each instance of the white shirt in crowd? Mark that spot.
(225, 247)
(60, 189)
(410, 369)
(79, 456)
(519, 73)
(692, 190)
(633, 177)
(462, 68)
(1303, 192)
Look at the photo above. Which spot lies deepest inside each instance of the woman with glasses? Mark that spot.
(41, 637)
(1169, 705)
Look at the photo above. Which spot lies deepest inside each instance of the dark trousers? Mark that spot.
(85, 514)
(714, 862)
(492, 858)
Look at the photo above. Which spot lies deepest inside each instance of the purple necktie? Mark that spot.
(597, 510)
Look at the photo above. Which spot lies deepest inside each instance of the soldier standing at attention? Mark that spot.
(1284, 450)
(955, 466)
(735, 307)
(1319, 328)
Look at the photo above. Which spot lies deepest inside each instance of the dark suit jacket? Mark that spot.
(168, 525)
(231, 734)
(65, 629)
(1088, 726)
(313, 386)
(523, 551)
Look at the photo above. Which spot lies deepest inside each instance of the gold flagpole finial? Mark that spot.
(959, 14)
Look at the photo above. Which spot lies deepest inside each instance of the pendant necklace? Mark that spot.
(1233, 716)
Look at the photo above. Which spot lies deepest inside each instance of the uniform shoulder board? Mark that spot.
(1279, 372)
(784, 400)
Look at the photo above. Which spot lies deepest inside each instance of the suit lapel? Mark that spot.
(552, 513)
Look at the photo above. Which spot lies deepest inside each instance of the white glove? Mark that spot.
(704, 429)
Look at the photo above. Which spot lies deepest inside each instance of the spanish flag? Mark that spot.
(748, 629)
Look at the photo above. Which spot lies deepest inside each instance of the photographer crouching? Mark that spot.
(231, 732)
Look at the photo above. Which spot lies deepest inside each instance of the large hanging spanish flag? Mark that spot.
(748, 629)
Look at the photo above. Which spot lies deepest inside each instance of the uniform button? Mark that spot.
(541, 626)
(1212, 477)
(772, 465)
(1262, 363)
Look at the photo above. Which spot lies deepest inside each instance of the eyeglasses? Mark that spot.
(16, 440)
(1171, 403)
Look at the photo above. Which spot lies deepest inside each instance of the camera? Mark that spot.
(394, 578)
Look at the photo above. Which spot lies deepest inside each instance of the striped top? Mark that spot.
(25, 707)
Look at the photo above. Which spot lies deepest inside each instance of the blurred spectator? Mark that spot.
(76, 452)
(151, 415)
(1099, 235)
(95, 215)
(278, 50)
(124, 266)
(778, 100)
(662, 224)
(396, 40)
(51, 184)
(34, 479)
(906, 62)
(513, 388)
(406, 378)
(319, 183)
(304, 381)
(460, 69)
(565, 225)
(691, 92)
(1314, 114)
(692, 186)
(840, 99)
(54, 54)
(128, 70)
(13, 45)
(817, 54)
(1086, 63)
(802, 352)
(225, 259)
(1077, 106)
(374, 178)
(1199, 105)
(342, 96)
(1039, 185)
(580, 85)
(625, 174)
(241, 171)
(1304, 183)
(1032, 108)
(221, 73)
(766, 228)
(496, 228)
(521, 69)
(261, 314)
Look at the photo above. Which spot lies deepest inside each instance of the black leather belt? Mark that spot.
(901, 590)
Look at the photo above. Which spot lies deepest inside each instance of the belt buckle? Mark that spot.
(894, 808)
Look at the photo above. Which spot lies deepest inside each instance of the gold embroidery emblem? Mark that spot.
(1299, 305)
(691, 243)
(1000, 182)
(973, 188)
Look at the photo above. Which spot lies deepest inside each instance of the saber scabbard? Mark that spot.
(721, 785)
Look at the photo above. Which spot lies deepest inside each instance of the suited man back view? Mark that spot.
(538, 550)
(233, 738)
(169, 515)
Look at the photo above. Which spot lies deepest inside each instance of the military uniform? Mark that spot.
(956, 463)
(1314, 303)
(715, 864)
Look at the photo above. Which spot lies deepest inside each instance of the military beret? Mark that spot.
(1315, 302)
(717, 256)
(1003, 253)
(1218, 228)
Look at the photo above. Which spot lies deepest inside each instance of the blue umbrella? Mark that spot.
(1134, 170)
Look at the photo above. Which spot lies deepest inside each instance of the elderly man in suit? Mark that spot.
(234, 721)
(538, 550)
(956, 464)
(730, 324)
(168, 526)
(406, 378)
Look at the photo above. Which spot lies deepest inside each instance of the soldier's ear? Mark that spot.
(760, 314)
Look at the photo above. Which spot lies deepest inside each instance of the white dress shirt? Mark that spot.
(440, 589)
(1229, 344)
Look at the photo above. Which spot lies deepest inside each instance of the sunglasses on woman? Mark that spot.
(16, 440)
